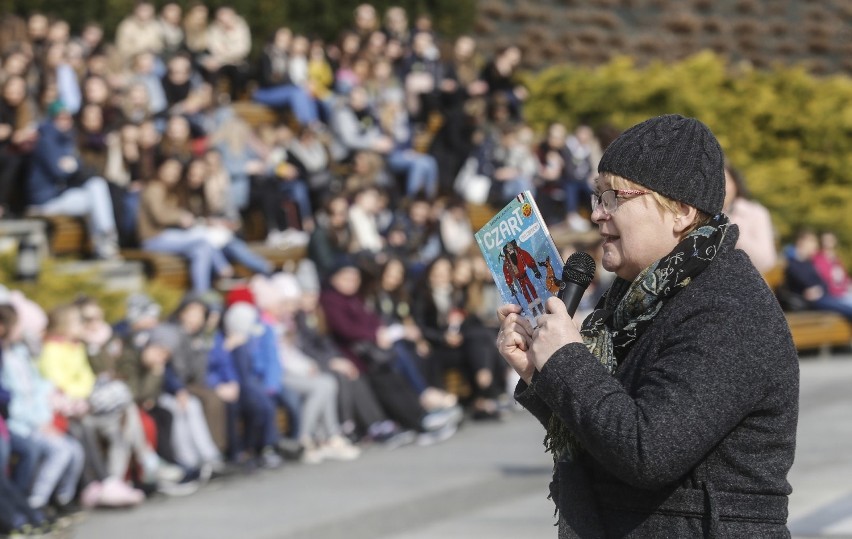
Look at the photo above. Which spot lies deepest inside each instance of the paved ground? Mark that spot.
(488, 481)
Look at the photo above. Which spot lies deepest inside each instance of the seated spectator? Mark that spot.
(333, 237)
(220, 230)
(414, 235)
(64, 362)
(171, 15)
(499, 75)
(145, 72)
(196, 320)
(139, 32)
(18, 135)
(166, 226)
(455, 228)
(319, 430)
(277, 87)
(360, 411)
(553, 175)
(228, 47)
(242, 155)
(757, 235)
(357, 128)
(831, 269)
(509, 163)
(389, 298)
(58, 184)
(368, 343)
(455, 338)
(364, 220)
(186, 94)
(16, 516)
(152, 380)
(802, 278)
(309, 153)
(234, 374)
(31, 416)
(283, 183)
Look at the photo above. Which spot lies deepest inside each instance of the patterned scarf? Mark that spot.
(628, 308)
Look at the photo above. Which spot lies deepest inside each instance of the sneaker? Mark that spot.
(437, 436)
(339, 448)
(441, 418)
(117, 493)
(400, 439)
(269, 459)
(182, 488)
(290, 449)
(170, 473)
(312, 455)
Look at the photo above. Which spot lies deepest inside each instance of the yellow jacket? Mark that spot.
(66, 365)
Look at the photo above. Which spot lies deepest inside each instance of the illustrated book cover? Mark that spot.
(521, 255)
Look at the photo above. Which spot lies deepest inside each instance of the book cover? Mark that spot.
(521, 255)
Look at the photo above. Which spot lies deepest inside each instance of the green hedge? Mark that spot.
(788, 131)
(52, 289)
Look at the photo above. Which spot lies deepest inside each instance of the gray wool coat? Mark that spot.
(695, 433)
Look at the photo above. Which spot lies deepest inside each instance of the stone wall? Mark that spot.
(813, 33)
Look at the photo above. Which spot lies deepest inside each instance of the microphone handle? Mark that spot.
(571, 294)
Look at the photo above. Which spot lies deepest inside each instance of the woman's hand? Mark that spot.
(554, 330)
(514, 339)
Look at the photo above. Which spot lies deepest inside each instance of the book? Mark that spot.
(522, 256)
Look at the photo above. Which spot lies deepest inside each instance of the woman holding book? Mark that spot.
(672, 411)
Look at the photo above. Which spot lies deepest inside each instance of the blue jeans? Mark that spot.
(405, 363)
(838, 305)
(509, 189)
(297, 190)
(421, 171)
(193, 246)
(91, 200)
(238, 251)
(29, 453)
(575, 190)
(60, 468)
(289, 95)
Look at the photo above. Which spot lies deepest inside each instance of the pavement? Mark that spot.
(490, 480)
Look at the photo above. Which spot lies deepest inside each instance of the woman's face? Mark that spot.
(637, 234)
(14, 91)
(196, 173)
(170, 172)
(92, 118)
(393, 275)
(347, 281)
(441, 273)
(177, 129)
(193, 317)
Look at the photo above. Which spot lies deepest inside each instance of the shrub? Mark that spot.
(789, 131)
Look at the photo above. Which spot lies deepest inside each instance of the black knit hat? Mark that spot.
(675, 156)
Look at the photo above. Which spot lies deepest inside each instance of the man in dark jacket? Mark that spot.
(58, 184)
(672, 412)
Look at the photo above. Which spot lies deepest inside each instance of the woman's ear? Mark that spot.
(685, 216)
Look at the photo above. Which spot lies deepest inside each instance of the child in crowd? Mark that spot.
(239, 371)
(31, 416)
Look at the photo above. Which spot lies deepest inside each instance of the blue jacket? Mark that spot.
(47, 180)
(256, 364)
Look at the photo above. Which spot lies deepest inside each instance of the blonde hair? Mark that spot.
(665, 203)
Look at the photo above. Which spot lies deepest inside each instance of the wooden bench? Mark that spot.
(67, 236)
(812, 330)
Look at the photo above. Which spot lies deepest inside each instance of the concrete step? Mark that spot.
(119, 275)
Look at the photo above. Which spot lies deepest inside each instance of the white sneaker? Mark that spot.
(339, 448)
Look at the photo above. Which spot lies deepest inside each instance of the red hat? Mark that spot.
(241, 293)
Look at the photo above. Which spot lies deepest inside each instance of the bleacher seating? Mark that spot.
(813, 330)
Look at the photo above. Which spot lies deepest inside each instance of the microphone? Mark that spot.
(577, 273)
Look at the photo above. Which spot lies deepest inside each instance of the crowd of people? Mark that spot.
(140, 135)
(350, 349)
(383, 136)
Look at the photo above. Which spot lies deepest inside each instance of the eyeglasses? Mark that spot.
(609, 198)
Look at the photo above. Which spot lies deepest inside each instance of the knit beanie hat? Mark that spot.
(675, 156)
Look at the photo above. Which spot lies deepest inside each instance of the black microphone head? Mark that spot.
(579, 269)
